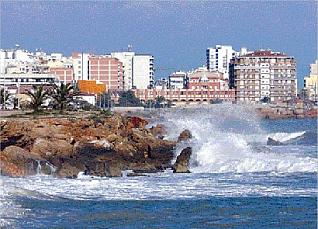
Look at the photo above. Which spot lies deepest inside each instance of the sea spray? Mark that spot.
(223, 138)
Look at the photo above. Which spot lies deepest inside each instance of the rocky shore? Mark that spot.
(98, 146)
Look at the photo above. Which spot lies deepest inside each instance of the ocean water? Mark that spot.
(236, 181)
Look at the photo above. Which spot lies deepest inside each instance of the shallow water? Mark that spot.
(237, 181)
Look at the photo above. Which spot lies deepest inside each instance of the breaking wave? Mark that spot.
(284, 137)
(232, 139)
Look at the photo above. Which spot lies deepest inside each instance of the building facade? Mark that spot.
(263, 74)
(106, 70)
(64, 74)
(311, 82)
(101, 68)
(178, 80)
(143, 71)
(219, 57)
(127, 60)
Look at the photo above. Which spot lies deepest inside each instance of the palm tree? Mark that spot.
(160, 101)
(4, 97)
(63, 95)
(38, 96)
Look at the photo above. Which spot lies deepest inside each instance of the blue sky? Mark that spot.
(177, 33)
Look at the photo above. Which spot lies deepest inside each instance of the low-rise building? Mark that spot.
(178, 80)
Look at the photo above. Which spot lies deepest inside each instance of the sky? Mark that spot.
(176, 33)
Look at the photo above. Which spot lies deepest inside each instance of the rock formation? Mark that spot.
(183, 161)
(97, 146)
(184, 135)
(273, 142)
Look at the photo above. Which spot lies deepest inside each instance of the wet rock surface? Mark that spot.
(97, 146)
(273, 142)
(183, 161)
(184, 136)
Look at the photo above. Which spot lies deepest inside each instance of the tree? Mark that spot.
(38, 95)
(4, 97)
(104, 100)
(149, 103)
(265, 99)
(160, 101)
(62, 95)
(128, 99)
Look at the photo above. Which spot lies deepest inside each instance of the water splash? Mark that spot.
(225, 140)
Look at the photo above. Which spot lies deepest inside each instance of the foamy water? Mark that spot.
(230, 159)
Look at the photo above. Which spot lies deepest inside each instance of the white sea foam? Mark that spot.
(284, 137)
(222, 138)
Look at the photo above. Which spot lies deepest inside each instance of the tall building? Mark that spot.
(138, 69)
(263, 74)
(178, 80)
(80, 66)
(106, 70)
(143, 71)
(127, 59)
(311, 82)
(64, 74)
(218, 59)
(101, 68)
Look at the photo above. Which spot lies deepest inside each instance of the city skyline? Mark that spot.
(176, 33)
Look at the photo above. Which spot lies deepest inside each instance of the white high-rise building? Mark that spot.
(143, 71)
(219, 57)
(80, 66)
(127, 59)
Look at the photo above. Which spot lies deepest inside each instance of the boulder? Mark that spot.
(183, 160)
(184, 136)
(273, 142)
(68, 171)
(49, 148)
(15, 161)
(159, 131)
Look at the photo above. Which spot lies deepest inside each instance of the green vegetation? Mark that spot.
(38, 95)
(128, 99)
(63, 95)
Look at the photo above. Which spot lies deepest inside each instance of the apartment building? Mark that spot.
(263, 74)
(64, 74)
(204, 80)
(178, 80)
(311, 82)
(127, 60)
(108, 71)
(101, 68)
(143, 71)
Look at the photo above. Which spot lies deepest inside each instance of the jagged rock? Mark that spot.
(184, 135)
(159, 131)
(183, 161)
(49, 148)
(103, 147)
(272, 142)
(113, 170)
(68, 171)
(15, 161)
(135, 122)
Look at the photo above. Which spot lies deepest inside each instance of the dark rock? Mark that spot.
(272, 142)
(68, 171)
(184, 136)
(183, 161)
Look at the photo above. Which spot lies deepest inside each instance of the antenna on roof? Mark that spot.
(129, 48)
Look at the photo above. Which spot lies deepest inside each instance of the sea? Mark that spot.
(236, 180)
